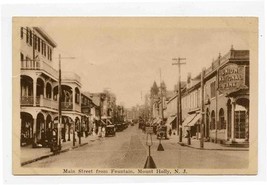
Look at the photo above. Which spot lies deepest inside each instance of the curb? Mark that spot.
(52, 154)
(218, 149)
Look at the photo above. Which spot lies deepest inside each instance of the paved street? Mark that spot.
(128, 150)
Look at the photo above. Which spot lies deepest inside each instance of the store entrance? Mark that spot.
(242, 119)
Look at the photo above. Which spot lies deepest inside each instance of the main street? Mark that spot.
(128, 150)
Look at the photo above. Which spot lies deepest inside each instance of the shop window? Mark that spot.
(240, 124)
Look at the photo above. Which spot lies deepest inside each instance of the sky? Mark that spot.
(125, 55)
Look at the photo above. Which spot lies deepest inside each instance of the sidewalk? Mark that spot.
(29, 154)
(207, 145)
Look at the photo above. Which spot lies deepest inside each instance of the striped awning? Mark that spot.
(170, 120)
(194, 121)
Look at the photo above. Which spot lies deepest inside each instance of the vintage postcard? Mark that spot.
(135, 95)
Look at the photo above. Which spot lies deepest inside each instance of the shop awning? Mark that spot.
(157, 121)
(170, 120)
(194, 121)
(188, 119)
(103, 122)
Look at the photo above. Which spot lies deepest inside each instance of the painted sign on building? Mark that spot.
(231, 78)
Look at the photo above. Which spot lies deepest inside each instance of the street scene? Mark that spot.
(128, 150)
(135, 93)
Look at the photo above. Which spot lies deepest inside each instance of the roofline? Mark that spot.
(46, 36)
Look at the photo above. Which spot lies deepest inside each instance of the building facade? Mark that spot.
(226, 101)
(39, 97)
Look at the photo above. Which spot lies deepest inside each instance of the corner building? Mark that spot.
(226, 99)
(39, 90)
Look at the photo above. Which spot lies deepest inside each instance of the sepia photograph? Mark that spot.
(135, 95)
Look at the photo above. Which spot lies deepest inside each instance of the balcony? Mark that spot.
(26, 101)
(67, 106)
(39, 65)
(45, 102)
(40, 101)
(77, 108)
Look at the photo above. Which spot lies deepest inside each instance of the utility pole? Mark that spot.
(161, 94)
(202, 109)
(59, 102)
(179, 105)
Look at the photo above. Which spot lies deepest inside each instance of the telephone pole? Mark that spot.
(59, 102)
(202, 109)
(179, 104)
(161, 94)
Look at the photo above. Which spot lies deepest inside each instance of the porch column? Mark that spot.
(233, 121)
(44, 90)
(52, 93)
(34, 133)
(226, 127)
(34, 91)
(69, 127)
(73, 98)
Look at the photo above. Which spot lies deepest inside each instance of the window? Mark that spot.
(247, 76)
(38, 44)
(44, 49)
(31, 37)
(212, 89)
(50, 54)
(240, 122)
(21, 32)
(27, 35)
(212, 125)
(21, 57)
(222, 122)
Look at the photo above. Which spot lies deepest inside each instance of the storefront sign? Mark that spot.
(231, 78)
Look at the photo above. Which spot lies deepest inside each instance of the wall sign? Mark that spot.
(231, 78)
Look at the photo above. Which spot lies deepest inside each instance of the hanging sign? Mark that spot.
(231, 78)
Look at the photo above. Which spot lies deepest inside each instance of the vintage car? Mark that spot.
(110, 130)
(162, 132)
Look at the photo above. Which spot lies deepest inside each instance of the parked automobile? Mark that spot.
(110, 130)
(162, 132)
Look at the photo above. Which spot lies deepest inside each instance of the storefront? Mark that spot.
(233, 82)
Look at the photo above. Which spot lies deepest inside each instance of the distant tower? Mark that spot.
(163, 88)
(154, 91)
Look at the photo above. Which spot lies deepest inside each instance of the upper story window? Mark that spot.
(30, 41)
(27, 35)
(21, 57)
(44, 49)
(247, 76)
(21, 32)
(38, 44)
(212, 125)
(212, 89)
